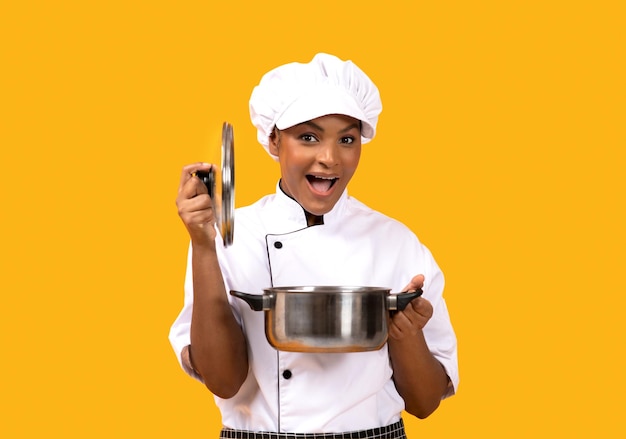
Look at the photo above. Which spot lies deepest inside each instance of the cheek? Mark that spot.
(290, 168)
(351, 160)
(295, 160)
(287, 163)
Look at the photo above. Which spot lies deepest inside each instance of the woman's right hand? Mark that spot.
(195, 206)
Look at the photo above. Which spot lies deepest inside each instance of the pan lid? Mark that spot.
(221, 186)
(227, 214)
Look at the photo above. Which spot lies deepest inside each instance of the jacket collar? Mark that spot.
(288, 215)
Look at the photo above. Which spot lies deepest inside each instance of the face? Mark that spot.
(317, 160)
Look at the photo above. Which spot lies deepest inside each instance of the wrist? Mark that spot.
(203, 244)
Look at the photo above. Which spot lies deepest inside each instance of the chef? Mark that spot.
(313, 119)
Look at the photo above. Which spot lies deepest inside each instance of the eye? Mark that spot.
(346, 140)
(309, 138)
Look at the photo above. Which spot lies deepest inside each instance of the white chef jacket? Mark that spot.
(321, 392)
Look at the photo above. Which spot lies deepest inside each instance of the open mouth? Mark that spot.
(321, 184)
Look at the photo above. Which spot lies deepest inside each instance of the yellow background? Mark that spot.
(501, 144)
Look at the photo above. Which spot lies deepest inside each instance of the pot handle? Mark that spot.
(397, 302)
(257, 302)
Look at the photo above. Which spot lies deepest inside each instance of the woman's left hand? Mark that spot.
(419, 377)
(414, 317)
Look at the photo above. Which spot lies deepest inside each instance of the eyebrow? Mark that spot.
(317, 127)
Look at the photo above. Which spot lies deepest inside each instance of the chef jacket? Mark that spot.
(319, 392)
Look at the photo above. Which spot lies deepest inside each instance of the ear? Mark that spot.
(274, 140)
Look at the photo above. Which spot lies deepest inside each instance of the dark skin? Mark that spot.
(419, 378)
(323, 147)
(214, 330)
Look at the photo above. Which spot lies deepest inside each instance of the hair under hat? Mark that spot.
(294, 93)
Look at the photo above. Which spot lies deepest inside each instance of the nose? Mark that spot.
(328, 154)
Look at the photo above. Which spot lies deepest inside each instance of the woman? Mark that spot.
(313, 119)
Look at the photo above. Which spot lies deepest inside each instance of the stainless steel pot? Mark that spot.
(327, 318)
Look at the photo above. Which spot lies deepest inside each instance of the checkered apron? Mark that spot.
(393, 431)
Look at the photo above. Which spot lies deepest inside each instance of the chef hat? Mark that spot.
(294, 93)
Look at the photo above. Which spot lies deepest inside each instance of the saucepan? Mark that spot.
(327, 318)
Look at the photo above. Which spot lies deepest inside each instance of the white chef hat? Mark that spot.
(294, 93)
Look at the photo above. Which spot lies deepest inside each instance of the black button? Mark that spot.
(278, 244)
(287, 374)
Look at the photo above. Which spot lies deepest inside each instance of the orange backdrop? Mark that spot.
(501, 144)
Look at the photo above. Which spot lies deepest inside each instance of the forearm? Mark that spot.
(419, 378)
(218, 348)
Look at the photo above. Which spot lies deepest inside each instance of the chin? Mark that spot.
(319, 207)
(319, 210)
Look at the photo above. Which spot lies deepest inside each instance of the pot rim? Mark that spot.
(328, 289)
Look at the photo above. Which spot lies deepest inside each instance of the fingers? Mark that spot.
(421, 307)
(189, 189)
(190, 206)
(195, 207)
(189, 171)
(415, 284)
(415, 316)
(412, 319)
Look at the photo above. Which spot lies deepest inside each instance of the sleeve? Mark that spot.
(179, 335)
(439, 333)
